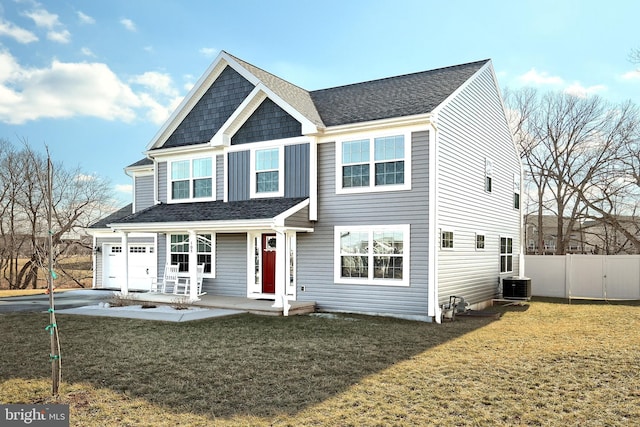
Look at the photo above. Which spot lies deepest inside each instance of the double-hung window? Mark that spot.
(372, 255)
(373, 164)
(506, 254)
(267, 172)
(179, 251)
(191, 179)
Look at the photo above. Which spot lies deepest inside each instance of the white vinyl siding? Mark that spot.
(472, 135)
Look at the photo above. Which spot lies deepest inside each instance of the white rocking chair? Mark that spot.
(169, 280)
(186, 283)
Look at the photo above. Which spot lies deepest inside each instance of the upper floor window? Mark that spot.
(516, 191)
(192, 179)
(373, 164)
(267, 172)
(488, 175)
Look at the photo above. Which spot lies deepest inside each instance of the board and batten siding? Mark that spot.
(144, 192)
(315, 250)
(471, 128)
(230, 265)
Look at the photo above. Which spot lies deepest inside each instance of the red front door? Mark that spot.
(269, 263)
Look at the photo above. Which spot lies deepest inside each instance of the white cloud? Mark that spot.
(576, 89)
(63, 36)
(85, 178)
(208, 51)
(63, 90)
(631, 75)
(45, 19)
(87, 52)
(533, 77)
(158, 82)
(128, 24)
(18, 34)
(124, 188)
(85, 19)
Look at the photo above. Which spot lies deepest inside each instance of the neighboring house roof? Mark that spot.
(114, 217)
(400, 96)
(211, 211)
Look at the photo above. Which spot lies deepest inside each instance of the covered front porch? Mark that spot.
(249, 305)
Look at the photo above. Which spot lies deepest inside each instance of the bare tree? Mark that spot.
(571, 147)
(23, 226)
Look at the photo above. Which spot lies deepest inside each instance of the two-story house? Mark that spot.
(382, 197)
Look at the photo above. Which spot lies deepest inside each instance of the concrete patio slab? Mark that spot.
(159, 313)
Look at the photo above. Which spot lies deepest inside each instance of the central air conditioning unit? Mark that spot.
(516, 288)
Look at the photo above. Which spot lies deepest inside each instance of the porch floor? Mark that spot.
(255, 306)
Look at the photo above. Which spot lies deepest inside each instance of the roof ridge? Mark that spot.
(466, 64)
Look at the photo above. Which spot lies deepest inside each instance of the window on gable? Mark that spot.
(516, 191)
(373, 164)
(192, 179)
(446, 239)
(506, 254)
(372, 255)
(488, 175)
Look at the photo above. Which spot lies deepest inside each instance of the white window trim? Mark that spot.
(213, 250)
(252, 177)
(406, 258)
(488, 174)
(170, 198)
(372, 188)
(505, 254)
(475, 242)
(453, 234)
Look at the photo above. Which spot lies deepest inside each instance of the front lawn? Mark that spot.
(542, 364)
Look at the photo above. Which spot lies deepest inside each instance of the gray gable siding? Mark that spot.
(238, 175)
(472, 127)
(144, 192)
(162, 182)
(316, 250)
(212, 110)
(231, 265)
(296, 173)
(299, 219)
(268, 122)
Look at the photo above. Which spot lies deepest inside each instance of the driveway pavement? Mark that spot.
(62, 300)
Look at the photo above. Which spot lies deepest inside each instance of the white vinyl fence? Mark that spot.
(584, 276)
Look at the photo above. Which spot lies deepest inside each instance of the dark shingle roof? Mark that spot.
(143, 162)
(211, 211)
(114, 217)
(399, 96)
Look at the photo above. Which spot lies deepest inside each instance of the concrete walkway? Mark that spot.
(207, 307)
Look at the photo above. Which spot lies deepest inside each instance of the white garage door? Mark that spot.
(142, 266)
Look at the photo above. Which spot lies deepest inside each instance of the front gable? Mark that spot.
(217, 104)
(268, 122)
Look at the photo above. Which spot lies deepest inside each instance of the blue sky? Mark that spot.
(94, 80)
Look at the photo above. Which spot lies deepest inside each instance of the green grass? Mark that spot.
(542, 364)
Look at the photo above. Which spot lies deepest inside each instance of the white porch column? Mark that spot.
(281, 263)
(124, 287)
(193, 266)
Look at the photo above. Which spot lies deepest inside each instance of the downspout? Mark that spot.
(434, 309)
